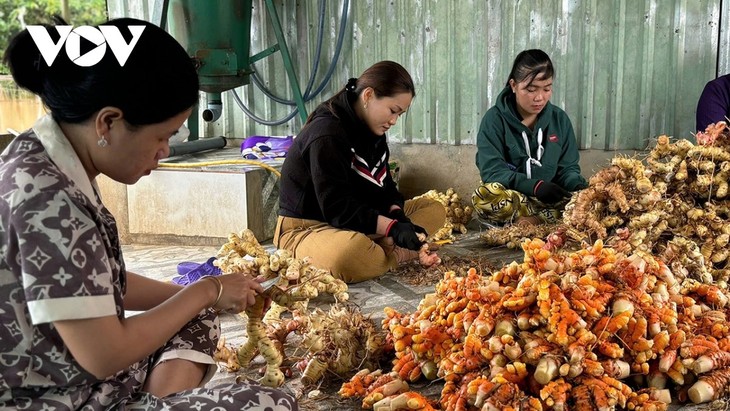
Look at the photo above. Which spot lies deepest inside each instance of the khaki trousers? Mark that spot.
(351, 255)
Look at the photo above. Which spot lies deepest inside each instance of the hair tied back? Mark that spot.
(351, 85)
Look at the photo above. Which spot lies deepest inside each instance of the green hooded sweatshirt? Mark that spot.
(502, 156)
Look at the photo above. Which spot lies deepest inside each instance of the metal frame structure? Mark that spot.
(160, 17)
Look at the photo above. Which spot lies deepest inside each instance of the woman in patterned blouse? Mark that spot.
(65, 342)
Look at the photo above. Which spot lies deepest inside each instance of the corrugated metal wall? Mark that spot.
(626, 70)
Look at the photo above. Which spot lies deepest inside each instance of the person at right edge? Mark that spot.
(527, 153)
(714, 102)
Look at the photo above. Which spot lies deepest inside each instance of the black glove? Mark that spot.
(420, 230)
(400, 215)
(550, 193)
(405, 235)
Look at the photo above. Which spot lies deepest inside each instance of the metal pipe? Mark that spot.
(215, 107)
(189, 147)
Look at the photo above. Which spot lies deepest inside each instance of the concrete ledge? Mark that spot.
(197, 205)
(425, 167)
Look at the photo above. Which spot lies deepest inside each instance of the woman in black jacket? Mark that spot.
(338, 202)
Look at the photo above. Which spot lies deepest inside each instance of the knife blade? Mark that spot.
(266, 285)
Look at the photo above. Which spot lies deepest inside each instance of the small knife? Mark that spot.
(266, 285)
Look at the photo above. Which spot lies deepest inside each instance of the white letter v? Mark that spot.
(116, 42)
(49, 50)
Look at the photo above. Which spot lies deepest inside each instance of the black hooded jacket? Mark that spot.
(336, 171)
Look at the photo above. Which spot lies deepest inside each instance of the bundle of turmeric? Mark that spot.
(678, 195)
(298, 282)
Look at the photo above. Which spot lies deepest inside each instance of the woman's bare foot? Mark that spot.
(388, 244)
(404, 255)
(426, 255)
(528, 220)
(428, 258)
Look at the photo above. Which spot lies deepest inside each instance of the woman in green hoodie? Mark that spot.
(527, 154)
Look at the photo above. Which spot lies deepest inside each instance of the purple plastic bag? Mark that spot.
(190, 272)
(265, 147)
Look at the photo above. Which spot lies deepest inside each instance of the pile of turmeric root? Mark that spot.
(512, 235)
(592, 329)
(674, 203)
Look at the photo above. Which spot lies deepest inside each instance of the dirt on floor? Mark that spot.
(415, 274)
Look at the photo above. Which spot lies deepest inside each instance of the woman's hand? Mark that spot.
(550, 193)
(106, 345)
(406, 235)
(239, 292)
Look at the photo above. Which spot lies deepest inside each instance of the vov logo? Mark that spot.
(71, 37)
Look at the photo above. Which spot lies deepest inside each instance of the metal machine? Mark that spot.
(217, 34)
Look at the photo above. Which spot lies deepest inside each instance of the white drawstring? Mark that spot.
(540, 149)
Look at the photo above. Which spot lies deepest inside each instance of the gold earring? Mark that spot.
(365, 105)
(102, 141)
